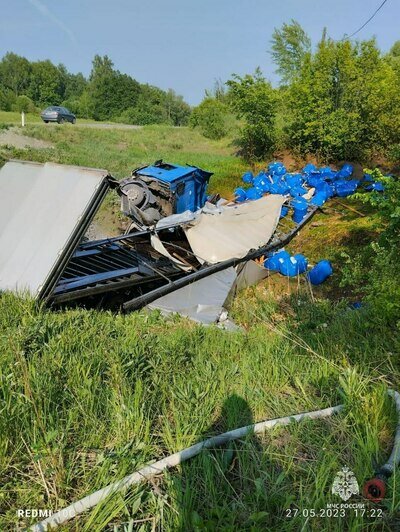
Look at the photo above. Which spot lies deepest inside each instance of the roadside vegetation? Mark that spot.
(87, 396)
(107, 94)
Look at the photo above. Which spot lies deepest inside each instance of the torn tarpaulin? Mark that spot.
(218, 233)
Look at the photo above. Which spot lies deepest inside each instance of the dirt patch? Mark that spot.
(11, 137)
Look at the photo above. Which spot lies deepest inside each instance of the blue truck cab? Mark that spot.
(159, 190)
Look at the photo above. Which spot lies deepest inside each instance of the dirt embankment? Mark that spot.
(12, 137)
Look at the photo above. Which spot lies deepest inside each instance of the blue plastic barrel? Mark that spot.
(345, 171)
(247, 178)
(309, 168)
(262, 182)
(281, 170)
(318, 199)
(297, 191)
(253, 193)
(288, 266)
(314, 180)
(284, 212)
(293, 181)
(300, 206)
(345, 188)
(320, 272)
(240, 194)
(272, 262)
(329, 190)
(327, 172)
(302, 263)
(378, 186)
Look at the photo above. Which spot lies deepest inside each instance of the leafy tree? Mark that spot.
(46, 86)
(178, 111)
(218, 92)
(290, 46)
(111, 91)
(7, 99)
(343, 103)
(211, 118)
(15, 73)
(253, 99)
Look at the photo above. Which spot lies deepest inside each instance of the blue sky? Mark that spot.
(179, 44)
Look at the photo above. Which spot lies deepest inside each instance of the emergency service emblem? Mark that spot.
(345, 484)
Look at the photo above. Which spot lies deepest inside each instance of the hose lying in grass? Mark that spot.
(375, 488)
(173, 460)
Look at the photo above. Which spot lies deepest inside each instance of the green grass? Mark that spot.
(89, 396)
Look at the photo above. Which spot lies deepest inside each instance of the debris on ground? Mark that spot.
(183, 252)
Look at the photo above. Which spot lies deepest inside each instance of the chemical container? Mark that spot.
(320, 272)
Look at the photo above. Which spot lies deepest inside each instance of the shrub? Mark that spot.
(377, 268)
(211, 117)
(24, 104)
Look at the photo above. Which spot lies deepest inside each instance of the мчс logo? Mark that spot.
(345, 484)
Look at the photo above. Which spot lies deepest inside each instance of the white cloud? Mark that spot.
(44, 10)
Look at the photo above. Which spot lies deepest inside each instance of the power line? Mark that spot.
(365, 23)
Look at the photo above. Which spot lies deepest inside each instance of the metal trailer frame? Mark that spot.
(275, 243)
(126, 269)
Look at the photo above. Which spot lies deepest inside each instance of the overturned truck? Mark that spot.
(182, 252)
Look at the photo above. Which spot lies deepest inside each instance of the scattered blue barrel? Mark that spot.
(297, 191)
(309, 168)
(328, 189)
(345, 188)
(314, 181)
(327, 172)
(262, 182)
(284, 211)
(346, 171)
(294, 181)
(302, 263)
(377, 185)
(240, 194)
(318, 199)
(288, 266)
(272, 262)
(253, 193)
(320, 272)
(300, 207)
(247, 178)
(292, 266)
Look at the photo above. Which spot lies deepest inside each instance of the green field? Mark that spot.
(89, 396)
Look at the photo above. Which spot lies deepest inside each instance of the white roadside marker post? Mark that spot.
(23, 118)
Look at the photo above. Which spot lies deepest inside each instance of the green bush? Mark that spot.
(377, 267)
(211, 117)
(24, 104)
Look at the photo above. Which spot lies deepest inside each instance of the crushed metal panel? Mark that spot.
(249, 273)
(201, 301)
(44, 210)
(223, 233)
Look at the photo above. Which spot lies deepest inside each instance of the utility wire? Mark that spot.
(365, 23)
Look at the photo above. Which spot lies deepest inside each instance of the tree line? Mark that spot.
(107, 94)
(340, 100)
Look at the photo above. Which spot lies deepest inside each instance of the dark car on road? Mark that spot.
(58, 114)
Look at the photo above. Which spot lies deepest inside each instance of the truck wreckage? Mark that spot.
(183, 252)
